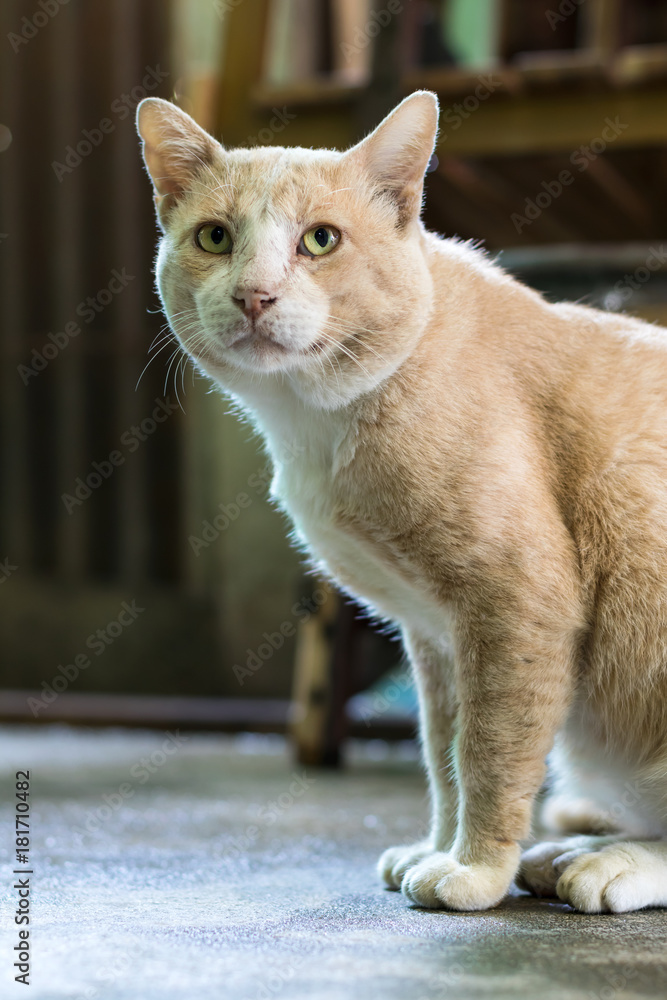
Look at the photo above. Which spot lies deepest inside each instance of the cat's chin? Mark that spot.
(266, 354)
(263, 357)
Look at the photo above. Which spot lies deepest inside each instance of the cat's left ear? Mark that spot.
(397, 153)
(175, 149)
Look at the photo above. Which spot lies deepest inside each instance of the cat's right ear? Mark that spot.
(175, 149)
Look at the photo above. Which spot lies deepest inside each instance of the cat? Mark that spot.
(482, 468)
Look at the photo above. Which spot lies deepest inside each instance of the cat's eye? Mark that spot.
(318, 241)
(214, 239)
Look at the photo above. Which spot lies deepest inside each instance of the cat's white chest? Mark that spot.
(305, 487)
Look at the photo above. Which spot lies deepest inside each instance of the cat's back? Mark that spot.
(506, 348)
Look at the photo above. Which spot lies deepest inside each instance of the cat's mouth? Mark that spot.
(256, 341)
(257, 348)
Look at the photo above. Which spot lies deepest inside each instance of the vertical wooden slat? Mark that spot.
(14, 397)
(67, 367)
(600, 27)
(127, 63)
(243, 61)
(383, 91)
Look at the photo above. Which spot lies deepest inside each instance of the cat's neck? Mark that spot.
(296, 428)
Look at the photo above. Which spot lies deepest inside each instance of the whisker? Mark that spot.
(171, 361)
(348, 352)
(149, 363)
(349, 335)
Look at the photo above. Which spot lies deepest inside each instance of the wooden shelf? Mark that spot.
(543, 123)
(325, 90)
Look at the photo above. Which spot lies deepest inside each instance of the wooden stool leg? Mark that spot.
(322, 674)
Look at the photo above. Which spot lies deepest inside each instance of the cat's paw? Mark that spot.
(544, 863)
(396, 861)
(442, 882)
(616, 879)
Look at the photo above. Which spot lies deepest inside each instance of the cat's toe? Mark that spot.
(610, 881)
(544, 863)
(442, 882)
(537, 873)
(396, 861)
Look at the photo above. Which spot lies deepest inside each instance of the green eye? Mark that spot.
(214, 239)
(318, 241)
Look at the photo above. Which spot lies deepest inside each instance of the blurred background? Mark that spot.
(144, 577)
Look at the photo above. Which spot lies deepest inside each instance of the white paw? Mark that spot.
(442, 882)
(395, 861)
(617, 879)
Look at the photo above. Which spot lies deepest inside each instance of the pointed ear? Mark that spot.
(397, 153)
(175, 149)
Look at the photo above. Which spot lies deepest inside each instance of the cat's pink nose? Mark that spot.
(252, 302)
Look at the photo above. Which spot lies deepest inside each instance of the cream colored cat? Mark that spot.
(483, 468)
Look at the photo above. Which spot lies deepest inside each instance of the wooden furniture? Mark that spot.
(505, 130)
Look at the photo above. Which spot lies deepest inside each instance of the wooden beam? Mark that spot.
(503, 125)
(547, 123)
(150, 711)
(133, 555)
(219, 715)
(14, 348)
(69, 374)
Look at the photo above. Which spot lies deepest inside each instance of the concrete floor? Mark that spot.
(222, 871)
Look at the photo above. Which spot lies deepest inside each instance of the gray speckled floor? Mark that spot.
(220, 870)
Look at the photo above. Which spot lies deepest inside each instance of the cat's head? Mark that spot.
(301, 266)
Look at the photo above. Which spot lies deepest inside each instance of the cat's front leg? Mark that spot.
(433, 670)
(513, 678)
